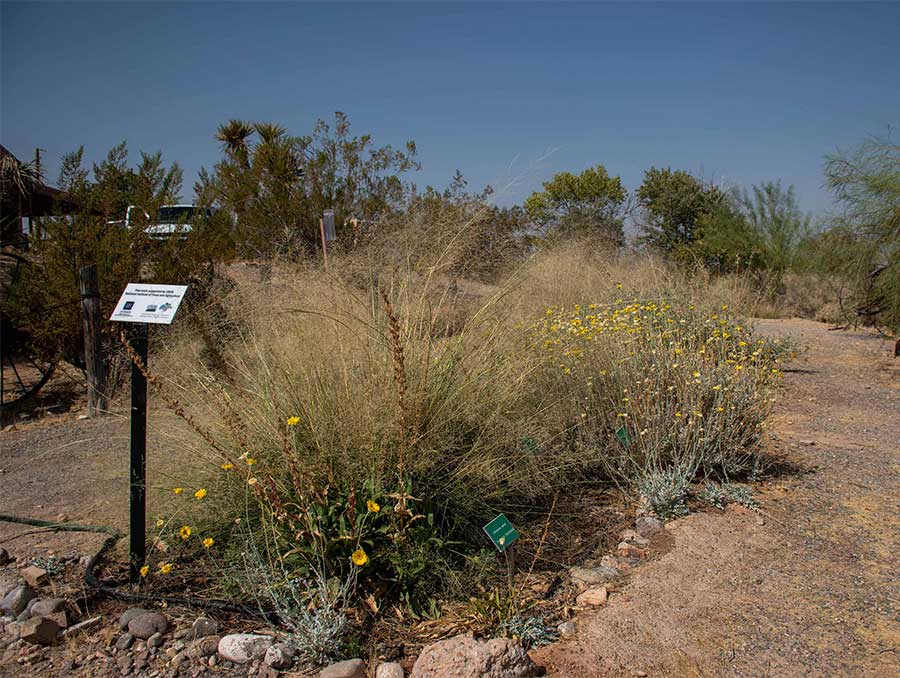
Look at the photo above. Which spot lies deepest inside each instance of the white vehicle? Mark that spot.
(172, 221)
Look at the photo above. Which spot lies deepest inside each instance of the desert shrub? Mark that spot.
(352, 441)
(654, 384)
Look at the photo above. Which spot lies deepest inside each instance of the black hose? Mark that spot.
(111, 590)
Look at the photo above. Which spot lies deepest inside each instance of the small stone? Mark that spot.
(243, 648)
(213, 660)
(389, 670)
(630, 551)
(633, 537)
(593, 597)
(62, 518)
(35, 576)
(124, 641)
(83, 625)
(639, 674)
(352, 668)
(178, 645)
(46, 606)
(39, 631)
(4, 556)
(124, 662)
(145, 625)
(204, 647)
(179, 659)
(807, 442)
(156, 640)
(14, 629)
(171, 652)
(647, 526)
(620, 564)
(279, 656)
(130, 614)
(16, 601)
(202, 627)
(567, 629)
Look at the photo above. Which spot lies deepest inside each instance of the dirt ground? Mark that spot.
(811, 586)
(807, 587)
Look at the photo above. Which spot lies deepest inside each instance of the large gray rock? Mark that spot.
(16, 601)
(352, 668)
(243, 648)
(46, 606)
(586, 577)
(130, 614)
(464, 657)
(145, 625)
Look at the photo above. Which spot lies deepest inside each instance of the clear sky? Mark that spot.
(506, 93)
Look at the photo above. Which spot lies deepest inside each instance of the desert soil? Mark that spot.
(807, 586)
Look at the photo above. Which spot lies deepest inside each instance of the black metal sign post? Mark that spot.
(142, 304)
(138, 474)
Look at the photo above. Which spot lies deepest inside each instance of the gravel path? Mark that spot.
(812, 586)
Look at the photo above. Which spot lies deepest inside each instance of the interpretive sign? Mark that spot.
(145, 303)
(501, 532)
(142, 304)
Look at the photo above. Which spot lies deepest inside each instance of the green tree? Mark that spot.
(673, 203)
(588, 203)
(278, 185)
(866, 183)
(763, 229)
(44, 300)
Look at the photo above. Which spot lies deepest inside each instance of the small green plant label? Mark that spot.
(624, 437)
(501, 532)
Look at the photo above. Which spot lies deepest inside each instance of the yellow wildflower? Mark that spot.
(185, 531)
(227, 466)
(250, 461)
(372, 506)
(177, 490)
(144, 570)
(160, 522)
(209, 541)
(200, 493)
(165, 568)
(293, 421)
(359, 558)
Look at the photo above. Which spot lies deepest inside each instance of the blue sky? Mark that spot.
(506, 93)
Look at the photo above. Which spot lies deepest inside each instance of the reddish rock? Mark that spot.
(464, 657)
(39, 631)
(35, 576)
